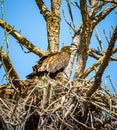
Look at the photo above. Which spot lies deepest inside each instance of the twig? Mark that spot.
(112, 84)
(91, 117)
(90, 69)
(27, 114)
(104, 64)
(82, 124)
(63, 121)
(70, 13)
(68, 22)
(105, 36)
(22, 40)
(75, 4)
(4, 103)
(3, 123)
(99, 41)
(96, 54)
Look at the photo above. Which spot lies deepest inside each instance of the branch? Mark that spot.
(93, 53)
(43, 9)
(93, 2)
(69, 24)
(52, 19)
(96, 54)
(55, 6)
(99, 41)
(84, 12)
(90, 69)
(112, 1)
(103, 14)
(10, 70)
(70, 13)
(75, 45)
(21, 39)
(8, 65)
(114, 50)
(2, 122)
(104, 64)
(96, 8)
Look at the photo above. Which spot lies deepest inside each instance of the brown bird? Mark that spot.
(52, 64)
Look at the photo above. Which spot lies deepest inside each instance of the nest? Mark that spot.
(47, 104)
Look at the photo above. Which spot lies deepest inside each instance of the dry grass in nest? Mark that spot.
(50, 105)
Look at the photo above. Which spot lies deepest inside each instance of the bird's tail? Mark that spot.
(31, 75)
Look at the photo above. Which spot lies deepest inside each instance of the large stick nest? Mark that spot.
(47, 104)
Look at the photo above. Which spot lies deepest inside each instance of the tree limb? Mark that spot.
(93, 2)
(55, 6)
(112, 1)
(52, 19)
(95, 8)
(21, 39)
(43, 9)
(84, 12)
(10, 70)
(103, 14)
(88, 26)
(75, 45)
(115, 50)
(104, 64)
(71, 15)
(85, 36)
(96, 54)
(90, 69)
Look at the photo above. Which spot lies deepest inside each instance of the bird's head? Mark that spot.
(67, 49)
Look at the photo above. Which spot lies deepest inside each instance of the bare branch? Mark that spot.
(114, 50)
(2, 120)
(112, 84)
(96, 54)
(52, 19)
(75, 45)
(5, 33)
(42, 8)
(106, 36)
(21, 39)
(99, 41)
(55, 6)
(67, 21)
(8, 65)
(90, 69)
(75, 4)
(10, 70)
(93, 2)
(112, 1)
(84, 12)
(70, 13)
(96, 8)
(104, 64)
(103, 14)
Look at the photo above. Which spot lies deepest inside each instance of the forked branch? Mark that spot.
(10, 71)
(22, 40)
(52, 19)
(104, 64)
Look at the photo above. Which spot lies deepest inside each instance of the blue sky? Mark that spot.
(24, 15)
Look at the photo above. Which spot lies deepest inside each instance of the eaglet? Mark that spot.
(52, 64)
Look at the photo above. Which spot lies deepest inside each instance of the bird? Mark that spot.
(52, 64)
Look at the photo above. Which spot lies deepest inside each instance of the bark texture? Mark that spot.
(52, 19)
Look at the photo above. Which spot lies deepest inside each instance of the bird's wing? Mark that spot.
(41, 62)
(55, 62)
